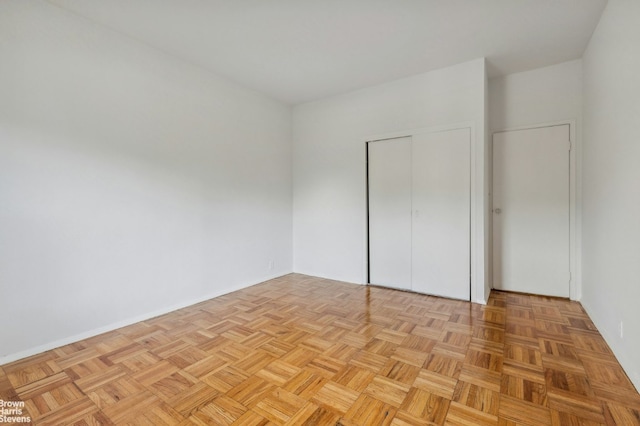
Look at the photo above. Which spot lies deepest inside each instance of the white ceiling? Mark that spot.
(301, 50)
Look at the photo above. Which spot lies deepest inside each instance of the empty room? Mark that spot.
(285, 212)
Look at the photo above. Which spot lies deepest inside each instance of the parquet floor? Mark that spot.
(304, 350)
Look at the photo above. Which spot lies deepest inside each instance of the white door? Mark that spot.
(390, 212)
(531, 210)
(441, 191)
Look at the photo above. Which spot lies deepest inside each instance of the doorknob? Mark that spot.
(497, 211)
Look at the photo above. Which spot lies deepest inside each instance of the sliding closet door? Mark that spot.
(441, 193)
(390, 212)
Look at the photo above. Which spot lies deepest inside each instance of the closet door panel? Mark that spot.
(389, 163)
(440, 254)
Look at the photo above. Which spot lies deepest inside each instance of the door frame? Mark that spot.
(575, 281)
(476, 225)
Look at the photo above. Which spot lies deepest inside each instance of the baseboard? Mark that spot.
(321, 275)
(312, 274)
(114, 326)
(610, 338)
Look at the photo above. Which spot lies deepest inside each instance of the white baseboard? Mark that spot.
(323, 276)
(114, 326)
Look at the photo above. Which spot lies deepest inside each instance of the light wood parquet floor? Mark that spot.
(303, 350)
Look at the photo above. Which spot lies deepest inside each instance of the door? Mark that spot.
(441, 193)
(531, 210)
(389, 168)
(419, 213)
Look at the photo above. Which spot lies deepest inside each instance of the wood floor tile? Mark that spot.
(249, 418)
(278, 372)
(40, 386)
(279, 406)
(616, 395)
(562, 418)
(426, 405)
(481, 377)
(370, 411)
(325, 366)
(482, 359)
(438, 384)
(200, 366)
(299, 357)
(418, 343)
(412, 357)
(173, 385)
(431, 330)
(225, 379)
(522, 354)
(607, 373)
(570, 365)
(69, 413)
(48, 401)
(387, 390)
(335, 397)
(523, 412)
(584, 407)
(354, 377)
(392, 336)
(463, 415)
(403, 418)
(619, 414)
(193, 398)
(369, 361)
(251, 391)
(130, 406)
(100, 378)
(306, 384)
(155, 372)
(567, 381)
(160, 414)
(115, 391)
(524, 389)
(443, 365)
(341, 351)
(399, 371)
(477, 398)
(300, 350)
(31, 372)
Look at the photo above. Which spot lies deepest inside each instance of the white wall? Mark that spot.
(329, 231)
(541, 96)
(130, 183)
(611, 181)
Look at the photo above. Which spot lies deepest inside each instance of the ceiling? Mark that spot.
(302, 50)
